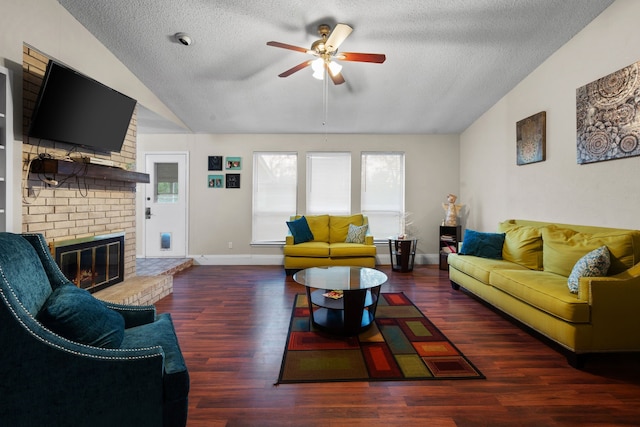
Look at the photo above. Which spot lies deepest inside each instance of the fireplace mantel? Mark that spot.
(87, 170)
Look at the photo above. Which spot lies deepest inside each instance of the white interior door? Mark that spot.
(166, 205)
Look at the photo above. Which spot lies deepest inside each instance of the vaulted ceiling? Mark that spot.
(447, 62)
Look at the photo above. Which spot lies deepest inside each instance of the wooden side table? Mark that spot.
(403, 253)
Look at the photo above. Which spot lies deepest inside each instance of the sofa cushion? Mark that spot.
(562, 248)
(546, 291)
(522, 245)
(319, 225)
(76, 315)
(479, 268)
(484, 245)
(339, 226)
(356, 234)
(300, 230)
(308, 249)
(594, 264)
(337, 250)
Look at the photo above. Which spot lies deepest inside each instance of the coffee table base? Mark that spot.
(350, 315)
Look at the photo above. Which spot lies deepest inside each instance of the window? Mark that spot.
(275, 176)
(382, 197)
(328, 183)
(166, 176)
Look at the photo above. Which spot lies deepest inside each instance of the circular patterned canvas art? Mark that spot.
(608, 120)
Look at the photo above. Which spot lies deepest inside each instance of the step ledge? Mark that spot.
(138, 290)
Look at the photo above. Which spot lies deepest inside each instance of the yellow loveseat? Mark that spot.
(530, 284)
(329, 245)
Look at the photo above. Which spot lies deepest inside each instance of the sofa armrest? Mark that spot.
(289, 239)
(368, 239)
(584, 286)
(134, 315)
(614, 311)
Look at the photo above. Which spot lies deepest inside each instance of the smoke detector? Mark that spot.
(184, 39)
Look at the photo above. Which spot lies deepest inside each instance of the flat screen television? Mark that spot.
(75, 109)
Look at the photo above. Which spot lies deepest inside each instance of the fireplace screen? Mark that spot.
(93, 263)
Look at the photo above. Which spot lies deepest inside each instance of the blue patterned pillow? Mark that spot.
(594, 264)
(300, 230)
(484, 245)
(356, 234)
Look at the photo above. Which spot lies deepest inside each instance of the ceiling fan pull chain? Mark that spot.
(325, 99)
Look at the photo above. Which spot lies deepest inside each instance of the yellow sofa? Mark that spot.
(329, 246)
(530, 285)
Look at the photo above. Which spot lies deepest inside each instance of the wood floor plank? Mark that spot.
(232, 324)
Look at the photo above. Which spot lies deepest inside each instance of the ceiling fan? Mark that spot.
(326, 52)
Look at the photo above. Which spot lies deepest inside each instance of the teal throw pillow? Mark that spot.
(594, 264)
(356, 234)
(300, 230)
(484, 245)
(76, 315)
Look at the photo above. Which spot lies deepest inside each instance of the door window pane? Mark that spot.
(166, 185)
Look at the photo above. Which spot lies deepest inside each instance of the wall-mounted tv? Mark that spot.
(75, 109)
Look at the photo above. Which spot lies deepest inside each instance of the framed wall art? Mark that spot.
(215, 181)
(608, 117)
(531, 139)
(233, 163)
(215, 163)
(233, 180)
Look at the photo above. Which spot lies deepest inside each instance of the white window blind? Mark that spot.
(382, 197)
(275, 178)
(328, 183)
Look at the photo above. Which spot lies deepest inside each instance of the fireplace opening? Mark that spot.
(91, 263)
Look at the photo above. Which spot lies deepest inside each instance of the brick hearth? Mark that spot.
(146, 289)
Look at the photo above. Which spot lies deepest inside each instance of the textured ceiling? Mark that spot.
(447, 61)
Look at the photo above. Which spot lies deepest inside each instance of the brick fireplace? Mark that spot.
(92, 263)
(76, 208)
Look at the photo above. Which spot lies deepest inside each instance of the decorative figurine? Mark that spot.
(452, 210)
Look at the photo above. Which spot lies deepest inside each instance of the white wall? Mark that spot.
(218, 216)
(558, 189)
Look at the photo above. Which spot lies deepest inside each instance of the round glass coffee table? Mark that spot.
(342, 300)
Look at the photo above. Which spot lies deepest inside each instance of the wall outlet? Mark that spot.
(230, 245)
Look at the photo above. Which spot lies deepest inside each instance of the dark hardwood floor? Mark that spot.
(232, 323)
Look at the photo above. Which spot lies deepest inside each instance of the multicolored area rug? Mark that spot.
(402, 345)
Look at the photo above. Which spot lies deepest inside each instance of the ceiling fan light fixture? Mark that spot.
(318, 75)
(335, 68)
(318, 65)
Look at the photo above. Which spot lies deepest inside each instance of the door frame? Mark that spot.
(142, 227)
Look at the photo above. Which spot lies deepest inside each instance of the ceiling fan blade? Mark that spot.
(288, 46)
(337, 77)
(337, 36)
(377, 58)
(298, 67)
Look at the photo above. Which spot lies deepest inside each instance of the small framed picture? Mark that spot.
(233, 180)
(215, 181)
(233, 163)
(531, 139)
(215, 163)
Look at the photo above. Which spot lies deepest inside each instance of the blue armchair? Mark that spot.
(67, 358)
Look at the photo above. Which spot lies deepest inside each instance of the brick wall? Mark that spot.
(77, 207)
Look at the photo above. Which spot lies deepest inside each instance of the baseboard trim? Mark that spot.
(247, 259)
